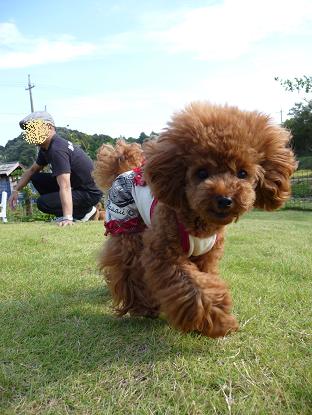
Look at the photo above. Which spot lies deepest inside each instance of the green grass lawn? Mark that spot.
(63, 352)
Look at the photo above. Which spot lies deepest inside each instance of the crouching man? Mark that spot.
(69, 192)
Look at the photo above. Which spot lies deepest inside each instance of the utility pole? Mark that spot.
(30, 95)
(281, 115)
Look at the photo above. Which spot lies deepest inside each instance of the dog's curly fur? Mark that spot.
(206, 153)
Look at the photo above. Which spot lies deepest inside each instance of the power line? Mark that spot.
(11, 113)
(17, 85)
(44, 86)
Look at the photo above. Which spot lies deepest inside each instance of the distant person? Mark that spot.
(69, 192)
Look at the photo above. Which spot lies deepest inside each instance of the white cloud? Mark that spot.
(9, 34)
(127, 113)
(130, 112)
(18, 51)
(222, 31)
(229, 29)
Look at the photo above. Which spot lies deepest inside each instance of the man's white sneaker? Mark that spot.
(88, 215)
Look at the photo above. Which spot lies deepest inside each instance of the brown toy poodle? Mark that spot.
(167, 220)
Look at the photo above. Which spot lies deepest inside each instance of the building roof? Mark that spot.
(8, 168)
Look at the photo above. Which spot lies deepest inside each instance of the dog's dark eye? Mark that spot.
(242, 174)
(202, 174)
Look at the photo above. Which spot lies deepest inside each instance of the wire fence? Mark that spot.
(301, 184)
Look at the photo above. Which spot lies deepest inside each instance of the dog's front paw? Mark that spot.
(219, 323)
(144, 312)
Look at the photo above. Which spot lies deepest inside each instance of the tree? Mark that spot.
(142, 138)
(300, 125)
(89, 143)
(27, 196)
(297, 84)
(2, 154)
(19, 150)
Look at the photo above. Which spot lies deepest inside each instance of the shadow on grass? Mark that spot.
(45, 340)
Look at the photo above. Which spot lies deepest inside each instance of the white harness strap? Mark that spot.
(199, 246)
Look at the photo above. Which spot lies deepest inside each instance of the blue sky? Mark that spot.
(123, 67)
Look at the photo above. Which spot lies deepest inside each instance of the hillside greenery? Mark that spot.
(299, 123)
(19, 150)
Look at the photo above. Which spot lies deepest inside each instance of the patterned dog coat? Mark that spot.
(129, 209)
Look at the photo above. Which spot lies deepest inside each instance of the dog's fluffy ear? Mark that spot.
(164, 171)
(277, 164)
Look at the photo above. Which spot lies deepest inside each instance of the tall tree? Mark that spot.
(2, 158)
(300, 125)
(296, 84)
(19, 150)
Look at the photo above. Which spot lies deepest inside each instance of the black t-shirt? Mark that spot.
(66, 157)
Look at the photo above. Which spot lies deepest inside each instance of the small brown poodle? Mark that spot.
(100, 212)
(167, 219)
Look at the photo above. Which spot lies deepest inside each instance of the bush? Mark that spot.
(305, 162)
(19, 215)
(301, 189)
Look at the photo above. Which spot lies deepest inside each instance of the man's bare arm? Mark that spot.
(23, 181)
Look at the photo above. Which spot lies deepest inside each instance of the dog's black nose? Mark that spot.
(224, 202)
